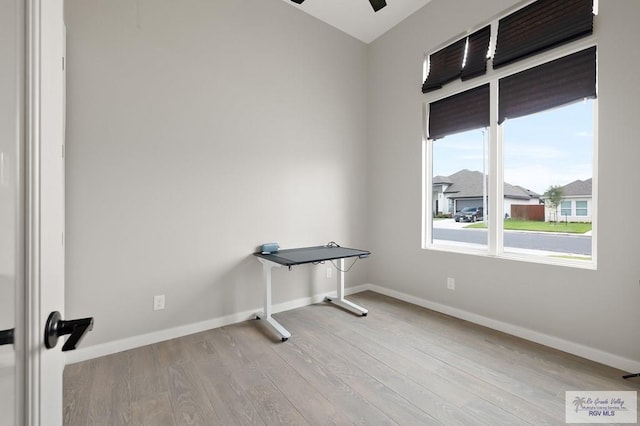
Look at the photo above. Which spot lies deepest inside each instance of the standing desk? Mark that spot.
(301, 256)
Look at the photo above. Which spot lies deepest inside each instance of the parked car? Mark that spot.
(469, 214)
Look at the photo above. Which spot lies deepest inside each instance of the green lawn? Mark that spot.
(528, 225)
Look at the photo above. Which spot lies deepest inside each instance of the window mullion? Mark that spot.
(427, 180)
(427, 192)
(594, 190)
(496, 191)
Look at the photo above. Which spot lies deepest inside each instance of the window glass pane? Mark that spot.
(459, 187)
(581, 208)
(549, 156)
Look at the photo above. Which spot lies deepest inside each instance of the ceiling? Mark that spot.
(357, 18)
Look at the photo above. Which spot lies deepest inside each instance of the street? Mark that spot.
(559, 243)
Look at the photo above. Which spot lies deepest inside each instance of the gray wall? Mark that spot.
(598, 309)
(9, 157)
(198, 130)
(10, 205)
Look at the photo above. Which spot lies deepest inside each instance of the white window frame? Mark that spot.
(495, 228)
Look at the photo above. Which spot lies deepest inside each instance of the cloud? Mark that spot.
(539, 177)
(471, 157)
(534, 152)
(461, 145)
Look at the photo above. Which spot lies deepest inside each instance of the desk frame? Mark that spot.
(339, 300)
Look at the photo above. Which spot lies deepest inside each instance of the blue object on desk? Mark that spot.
(270, 248)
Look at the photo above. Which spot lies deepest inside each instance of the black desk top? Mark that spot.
(299, 256)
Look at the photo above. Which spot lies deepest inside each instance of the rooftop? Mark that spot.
(468, 184)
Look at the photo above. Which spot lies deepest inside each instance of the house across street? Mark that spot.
(465, 189)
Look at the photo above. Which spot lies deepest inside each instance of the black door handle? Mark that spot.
(6, 337)
(56, 328)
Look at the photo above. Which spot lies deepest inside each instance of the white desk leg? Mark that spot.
(266, 314)
(340, 300)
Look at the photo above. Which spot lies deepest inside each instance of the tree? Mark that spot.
(553, 197)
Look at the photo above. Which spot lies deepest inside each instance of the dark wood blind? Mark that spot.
(458, 113)
(546, 86)
(445, 66)
(478, 45)
(540, 26)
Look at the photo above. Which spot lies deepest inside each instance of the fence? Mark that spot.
(528, 212)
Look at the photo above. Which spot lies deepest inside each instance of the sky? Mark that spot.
(554, 147)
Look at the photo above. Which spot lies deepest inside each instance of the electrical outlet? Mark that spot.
(158, 302)
(451, 283)
(329, 272)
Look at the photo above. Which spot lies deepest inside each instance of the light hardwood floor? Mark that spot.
(401, 364)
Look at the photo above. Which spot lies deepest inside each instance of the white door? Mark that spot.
(45, 205)
(31, 209)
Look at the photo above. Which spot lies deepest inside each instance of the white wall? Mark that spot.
(10, 202)
(9, 143)
(198, 130)
(597, 309)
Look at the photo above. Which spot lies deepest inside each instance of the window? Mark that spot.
(545, 150)
(581, 208)
(517, 140)
(459, 170)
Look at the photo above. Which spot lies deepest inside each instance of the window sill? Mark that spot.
(553, 260)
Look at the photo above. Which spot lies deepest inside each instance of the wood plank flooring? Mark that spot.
(401, 364)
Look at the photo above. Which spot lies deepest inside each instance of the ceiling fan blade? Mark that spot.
(377, 4)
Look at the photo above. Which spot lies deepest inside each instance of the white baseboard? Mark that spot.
(90, 352)
(574, 348)
(593, 354)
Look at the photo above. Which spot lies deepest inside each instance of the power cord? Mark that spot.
(330, 244)
(334, 244)
(349, 268)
